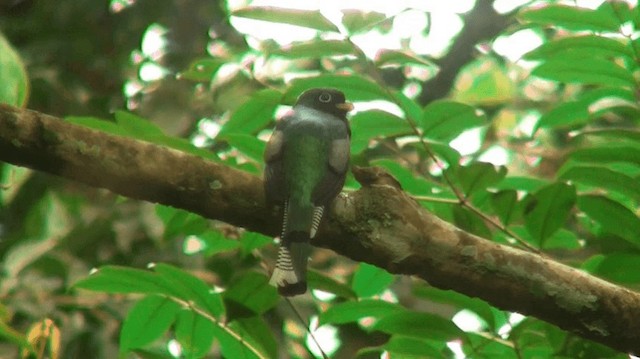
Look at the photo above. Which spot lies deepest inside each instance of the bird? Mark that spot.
(306, 163)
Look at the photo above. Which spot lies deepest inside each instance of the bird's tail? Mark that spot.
(290, 273)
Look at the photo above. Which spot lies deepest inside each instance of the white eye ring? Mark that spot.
(325, 97)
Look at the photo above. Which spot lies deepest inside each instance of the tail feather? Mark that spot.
(290, 273)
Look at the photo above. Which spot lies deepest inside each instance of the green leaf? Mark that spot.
(348, 312)
(146, 321)
(251, 292)
(520, 183)
(202, 70)
(401, 57)
(233, 345)
(249, 145)
(444, 120)
(260, 334)
(504, 203)
(419, 325)
(585, 70)
(614, 217)
(584, 45)
(251, 241)
(191, 289)
(412, 110)
(254, 115)
(562, 239)
(97, 124)
(304, 18)
(194, 333)
(325, 283)
(411, 183)
(568, 113)
(356, 21)
(486, 347)
(610, 153)
(478, 176)
(137, 126)
(315, 48)
(116, 279)
(13, 336)
(406, 347)
(620, 268)
(13, 76)
(470, 221)
(602, 177)
(547, 210)
(215, 242)
(355, 87)
(370, 280)
(571, 17)
(375, 124)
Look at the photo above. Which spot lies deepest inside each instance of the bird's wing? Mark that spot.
(337, 166)
(273, 173)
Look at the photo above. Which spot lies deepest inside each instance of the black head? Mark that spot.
(326, 100)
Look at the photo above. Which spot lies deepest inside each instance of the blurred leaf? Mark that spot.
(355, 87)
(194, 333)
(411, 182)
(401, 346)
(547, 210)
(97, 124)
(620, 268)
(116, 279)
(233, 345)
(252, 292)
(137, 126)
(444, 120)
(13, 76)
(614, 217)
(562, 239)
(608, 154)
(412, 110)
(375, 124)
(259, 333)
(585, 70)
(213, 242)
(202, 70)
(249, 145)
(486, 347)
(571, 17)
(504, 203)
(254, 115)
(325, 283)
(146, 321)
(304, 18)
(478, 176)
(602, 177)
(458, 301)
(353, 311)
(13, 336)
(356, 20)
(315, 48)
(584, 45)
(369, 280)
(419, 325)
(568, 113)
(470, 222)
(520, 183)
(192, 289)
(399, 57)
(251, 241)
(484, 82)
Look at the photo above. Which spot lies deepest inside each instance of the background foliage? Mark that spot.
(556, 170)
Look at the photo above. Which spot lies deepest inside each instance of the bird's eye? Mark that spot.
(325, 97)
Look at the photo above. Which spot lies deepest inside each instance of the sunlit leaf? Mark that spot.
(397, 57)
(568, 113)
(356, 20)
(571, 17)
(586, 45)
(254, 115)
(305, 18)
(315, 48)
(444, 120)
(137, 126)
(13, 77)
(355, 87)
(585, 70)
(375, 124)
(146, 321)
(610, 153)
(548, 209)
(116, 279)
(370, 280)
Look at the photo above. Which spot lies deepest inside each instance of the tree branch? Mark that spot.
(378, 224)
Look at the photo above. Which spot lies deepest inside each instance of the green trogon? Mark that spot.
(307, 158)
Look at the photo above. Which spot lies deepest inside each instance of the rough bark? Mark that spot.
(378, 224)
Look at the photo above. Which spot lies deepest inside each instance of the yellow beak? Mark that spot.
(347, 106)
